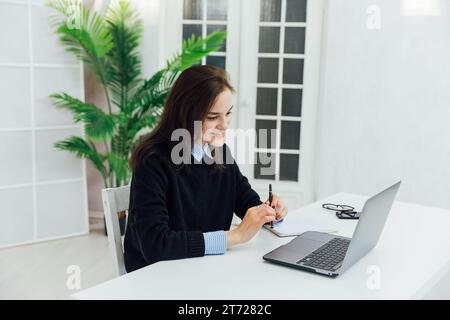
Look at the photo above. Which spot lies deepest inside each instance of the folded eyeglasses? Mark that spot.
(342, 211)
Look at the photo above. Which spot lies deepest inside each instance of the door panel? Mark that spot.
(279, 86)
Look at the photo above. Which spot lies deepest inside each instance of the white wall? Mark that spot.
(385, 106)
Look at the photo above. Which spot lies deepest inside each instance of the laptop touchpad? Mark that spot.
(295, 250)
(304, 246)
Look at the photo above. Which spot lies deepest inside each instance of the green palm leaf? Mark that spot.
(153, 92)
(148, 90)
(83, 150)
(136, 124)
(83, 33)
(126, 30)
(193, 50)
(149, 102)
(119, 165)
(98, 125)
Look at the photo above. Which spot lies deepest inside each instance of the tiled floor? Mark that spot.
(39, 271)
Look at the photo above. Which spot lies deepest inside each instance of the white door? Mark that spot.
(272, 54)
(279, 90)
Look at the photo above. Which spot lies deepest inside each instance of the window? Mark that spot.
(202, 17)
(281, 49)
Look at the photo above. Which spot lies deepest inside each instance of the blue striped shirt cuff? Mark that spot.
(215, 242)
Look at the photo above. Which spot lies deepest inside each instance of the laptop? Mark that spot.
(331, 255)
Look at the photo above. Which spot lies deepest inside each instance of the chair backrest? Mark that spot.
(115, 200)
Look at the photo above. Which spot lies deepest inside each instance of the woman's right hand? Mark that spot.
(254, 219)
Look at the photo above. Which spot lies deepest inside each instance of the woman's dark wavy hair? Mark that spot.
(190, 99)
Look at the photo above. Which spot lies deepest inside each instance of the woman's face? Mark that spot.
(217, 120)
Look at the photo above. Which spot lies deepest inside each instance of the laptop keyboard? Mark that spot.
(329, 256)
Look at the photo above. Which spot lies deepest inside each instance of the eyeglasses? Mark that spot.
(342, 211)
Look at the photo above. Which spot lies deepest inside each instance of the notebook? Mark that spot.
(295, 226)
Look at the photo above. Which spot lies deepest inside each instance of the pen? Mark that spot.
(270, 201)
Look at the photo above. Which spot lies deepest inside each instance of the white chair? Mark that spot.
(115, 200)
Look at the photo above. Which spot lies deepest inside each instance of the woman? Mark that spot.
(185, 210)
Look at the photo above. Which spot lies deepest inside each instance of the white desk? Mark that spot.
(412, 255)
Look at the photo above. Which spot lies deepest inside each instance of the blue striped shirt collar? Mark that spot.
(199, 150)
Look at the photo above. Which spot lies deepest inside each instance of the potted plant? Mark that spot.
(108, 46)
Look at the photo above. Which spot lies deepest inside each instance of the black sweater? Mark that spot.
(172, 206)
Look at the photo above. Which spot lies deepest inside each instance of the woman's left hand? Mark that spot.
(280, 209)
